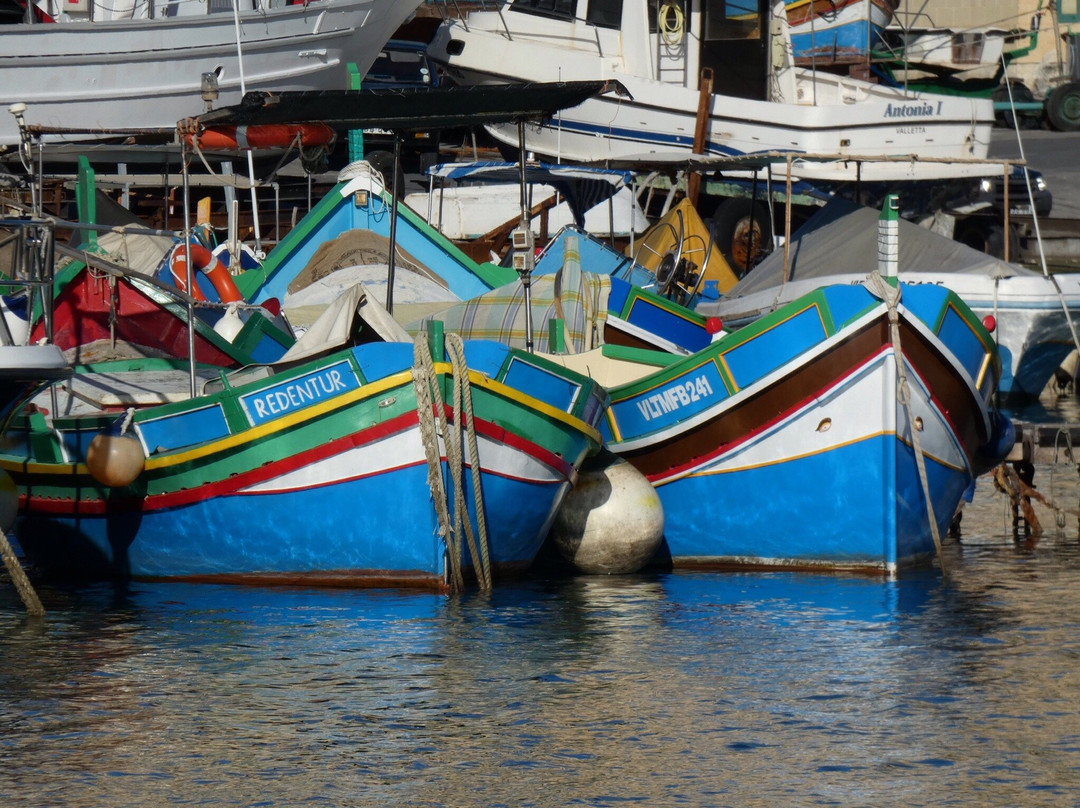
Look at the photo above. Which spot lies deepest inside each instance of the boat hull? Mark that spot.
(786, 444)
(844, 33)
(318, 475)
(806, 113)
(147, 73)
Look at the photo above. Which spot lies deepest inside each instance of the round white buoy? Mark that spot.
(9, 501)
(612, 520)
(230, 324)
(115, 460)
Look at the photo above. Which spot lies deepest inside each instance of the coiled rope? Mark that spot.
(432, 418)
(877, 286)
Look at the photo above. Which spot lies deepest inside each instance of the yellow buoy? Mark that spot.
(115, 458)
(612, 520)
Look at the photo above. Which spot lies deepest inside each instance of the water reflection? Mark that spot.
(681, 689)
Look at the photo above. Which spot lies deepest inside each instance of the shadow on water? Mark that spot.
(755, 689)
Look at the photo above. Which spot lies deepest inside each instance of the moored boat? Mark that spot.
(840, 431)
(326, 469)
(1036, 314)
(144, 65)
(837, 32)
(757, 100)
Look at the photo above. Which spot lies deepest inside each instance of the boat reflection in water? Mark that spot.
(739, 689)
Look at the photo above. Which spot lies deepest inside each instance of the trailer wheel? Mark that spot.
(1020, 95)
(383, 162)
(988, 237)
(742, 232)
(1063, 107)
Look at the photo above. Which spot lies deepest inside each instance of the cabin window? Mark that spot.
(735, 47)
(605, 13)
(560, 9)
(735, 19)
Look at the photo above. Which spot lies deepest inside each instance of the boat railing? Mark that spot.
(28, 245)
(116, 10)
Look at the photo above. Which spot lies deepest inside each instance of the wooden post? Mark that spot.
(701, 131)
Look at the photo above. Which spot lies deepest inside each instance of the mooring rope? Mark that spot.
(424, 379)
(891, 296)
(463, 416)
(428, 401)
(20, 579)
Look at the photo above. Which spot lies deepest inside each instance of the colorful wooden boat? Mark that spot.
(323, 470)
(784, 443)
(837, 32)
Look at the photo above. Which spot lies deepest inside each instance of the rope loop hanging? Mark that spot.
(431, 419)
(890, 295)
(431, 411)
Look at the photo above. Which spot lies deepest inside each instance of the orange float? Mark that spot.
(263, 136)
(207, 263)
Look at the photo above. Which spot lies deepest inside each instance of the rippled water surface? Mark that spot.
(661, 690)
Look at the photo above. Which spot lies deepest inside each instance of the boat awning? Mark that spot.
(582, 187)
(408, 109)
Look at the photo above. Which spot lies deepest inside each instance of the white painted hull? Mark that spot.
(814, 114)
(1033, 331)
(146, 73)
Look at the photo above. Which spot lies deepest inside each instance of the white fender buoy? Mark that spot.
(115, 458)
(612, 520)
(230, 324)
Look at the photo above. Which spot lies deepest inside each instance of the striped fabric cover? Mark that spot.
(577, 298)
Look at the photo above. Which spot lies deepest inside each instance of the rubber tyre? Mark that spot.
(732, 223)
(989, 237)
(383, 162)
(1020, 95)
(1063, 107)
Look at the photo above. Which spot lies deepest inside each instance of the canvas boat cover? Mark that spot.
(583, 188)
(577, 298)
(842, 238)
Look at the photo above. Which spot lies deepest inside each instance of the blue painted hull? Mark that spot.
(859, 506)
(849, 40)
(367, 528)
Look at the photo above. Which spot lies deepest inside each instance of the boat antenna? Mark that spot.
(395, 192)
(522, 240)
(185, 158)
(250, 160)
(26, 152)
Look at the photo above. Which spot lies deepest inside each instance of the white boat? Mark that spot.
(1035, 317)
(658, 50)
(144, 64)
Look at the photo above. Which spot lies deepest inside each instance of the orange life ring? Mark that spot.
(263, 136)
(208, 264)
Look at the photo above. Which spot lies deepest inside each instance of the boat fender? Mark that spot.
(611, 521)
(115, 456)
(206, 262)
(672, 21)
(230, 324)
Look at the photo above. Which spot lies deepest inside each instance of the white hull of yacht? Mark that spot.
(808, 113)
(142, 73)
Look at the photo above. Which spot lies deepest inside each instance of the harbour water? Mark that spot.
(660, 690)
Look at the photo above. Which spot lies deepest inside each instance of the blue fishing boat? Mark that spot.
(382, 462)
(838, 432)
(837, 32)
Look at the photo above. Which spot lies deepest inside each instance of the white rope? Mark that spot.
(423, 376)
(463, 416)
(430, 408)
(891, 296)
